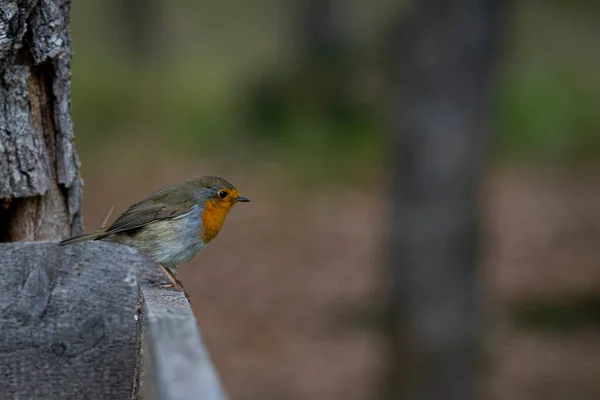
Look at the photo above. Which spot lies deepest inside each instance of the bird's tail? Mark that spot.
(84, 237)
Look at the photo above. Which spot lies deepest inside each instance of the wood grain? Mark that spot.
(176, 365)
(67, 317)
(84, 322)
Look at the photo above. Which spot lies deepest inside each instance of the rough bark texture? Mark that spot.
(40, 189)
(444, 56)
(68, 320)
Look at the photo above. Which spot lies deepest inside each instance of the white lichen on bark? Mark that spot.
(39, 180)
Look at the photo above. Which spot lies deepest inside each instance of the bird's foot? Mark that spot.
(175, 283)
(163, 285)
(170, 285)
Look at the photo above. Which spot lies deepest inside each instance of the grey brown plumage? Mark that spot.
(169, 225)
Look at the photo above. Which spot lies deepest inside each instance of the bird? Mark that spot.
(172, 224)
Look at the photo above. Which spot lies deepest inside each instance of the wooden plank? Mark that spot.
(176, 364)
(67, 317)
(74, 322)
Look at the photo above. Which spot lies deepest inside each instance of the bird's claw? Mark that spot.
(170, 285)
(163, 285)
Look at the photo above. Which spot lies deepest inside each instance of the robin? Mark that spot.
(172, 224)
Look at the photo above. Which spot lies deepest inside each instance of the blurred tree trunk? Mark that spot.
(443, 57)
(324, 67)
(318, 34)
(139, 25)
(40, 189)
(318, 86)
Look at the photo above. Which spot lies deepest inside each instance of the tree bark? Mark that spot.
(443, 57)
(40, 187)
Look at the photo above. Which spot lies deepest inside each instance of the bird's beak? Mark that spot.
(242, 199)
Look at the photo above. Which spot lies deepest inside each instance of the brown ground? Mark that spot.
(544, 240)
(276, 293)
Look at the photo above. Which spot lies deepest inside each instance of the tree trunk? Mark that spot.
(139, 24)
(444, 53)
(40, 188)
(318, 31)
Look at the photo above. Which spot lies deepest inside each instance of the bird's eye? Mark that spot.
(222, 194)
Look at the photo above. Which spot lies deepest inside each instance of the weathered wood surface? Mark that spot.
(40, 189)
(176, 365)
(443, 62)
(71, 320)
(67, 326)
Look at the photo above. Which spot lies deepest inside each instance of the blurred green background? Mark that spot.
(204, 77)
(287, 99)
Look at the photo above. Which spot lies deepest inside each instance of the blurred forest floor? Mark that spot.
(288, 296)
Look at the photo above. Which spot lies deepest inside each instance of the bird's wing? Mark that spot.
(144, 213)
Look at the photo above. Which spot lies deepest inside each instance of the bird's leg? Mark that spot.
(175, 283)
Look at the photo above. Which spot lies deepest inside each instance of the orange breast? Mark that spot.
(212, 217)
